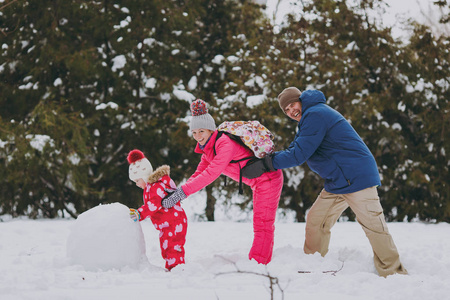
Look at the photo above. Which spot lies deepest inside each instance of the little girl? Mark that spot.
(171, 222)
(266, 188)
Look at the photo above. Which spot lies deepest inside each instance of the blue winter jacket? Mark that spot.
(331, 147)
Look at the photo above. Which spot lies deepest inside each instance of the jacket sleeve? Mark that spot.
(206, 174)
(201, 166)
(153, 194)
(309, 137)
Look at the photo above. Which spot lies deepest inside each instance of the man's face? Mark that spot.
(294, 111)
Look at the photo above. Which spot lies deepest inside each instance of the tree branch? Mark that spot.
(273, 281)
(8, 4)
(332, 272)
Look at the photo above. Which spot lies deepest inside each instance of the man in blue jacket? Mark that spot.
(330, 146)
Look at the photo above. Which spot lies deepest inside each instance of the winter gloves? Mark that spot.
(169, 201)
(134, 215)
(173, 198)
(257, 167)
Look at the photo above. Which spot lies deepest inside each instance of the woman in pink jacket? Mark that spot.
(266, 188)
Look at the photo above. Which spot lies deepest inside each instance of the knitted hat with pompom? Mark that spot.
(200, 116)
(140, 166)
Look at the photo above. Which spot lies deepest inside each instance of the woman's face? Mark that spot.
(201, 135)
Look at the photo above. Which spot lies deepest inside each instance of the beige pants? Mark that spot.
(366, 205)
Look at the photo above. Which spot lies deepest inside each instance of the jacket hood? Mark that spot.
(310, 98)
(158, 173)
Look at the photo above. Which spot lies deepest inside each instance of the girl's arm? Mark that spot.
(152, 200)
(225, 151)
(201, 166)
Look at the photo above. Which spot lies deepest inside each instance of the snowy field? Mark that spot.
(34, 264)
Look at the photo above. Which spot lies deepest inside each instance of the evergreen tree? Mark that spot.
(420, 180)
(84, 83)
(116, 73)
(359, 67)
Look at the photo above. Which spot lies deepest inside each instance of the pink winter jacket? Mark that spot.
(212, 166)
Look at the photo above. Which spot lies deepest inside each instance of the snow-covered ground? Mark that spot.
(34, 263)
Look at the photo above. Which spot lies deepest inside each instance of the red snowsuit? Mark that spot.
(266, 188)
(171, 222)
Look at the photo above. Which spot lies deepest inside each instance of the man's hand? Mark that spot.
(134, 215)
(256, 168)
(173, 198)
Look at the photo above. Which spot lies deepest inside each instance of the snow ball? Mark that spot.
(105, 237)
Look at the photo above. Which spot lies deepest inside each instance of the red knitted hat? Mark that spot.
(135, 155)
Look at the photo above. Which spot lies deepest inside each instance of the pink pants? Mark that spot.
(266, 196)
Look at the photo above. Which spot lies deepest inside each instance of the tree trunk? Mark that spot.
(210, 204)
